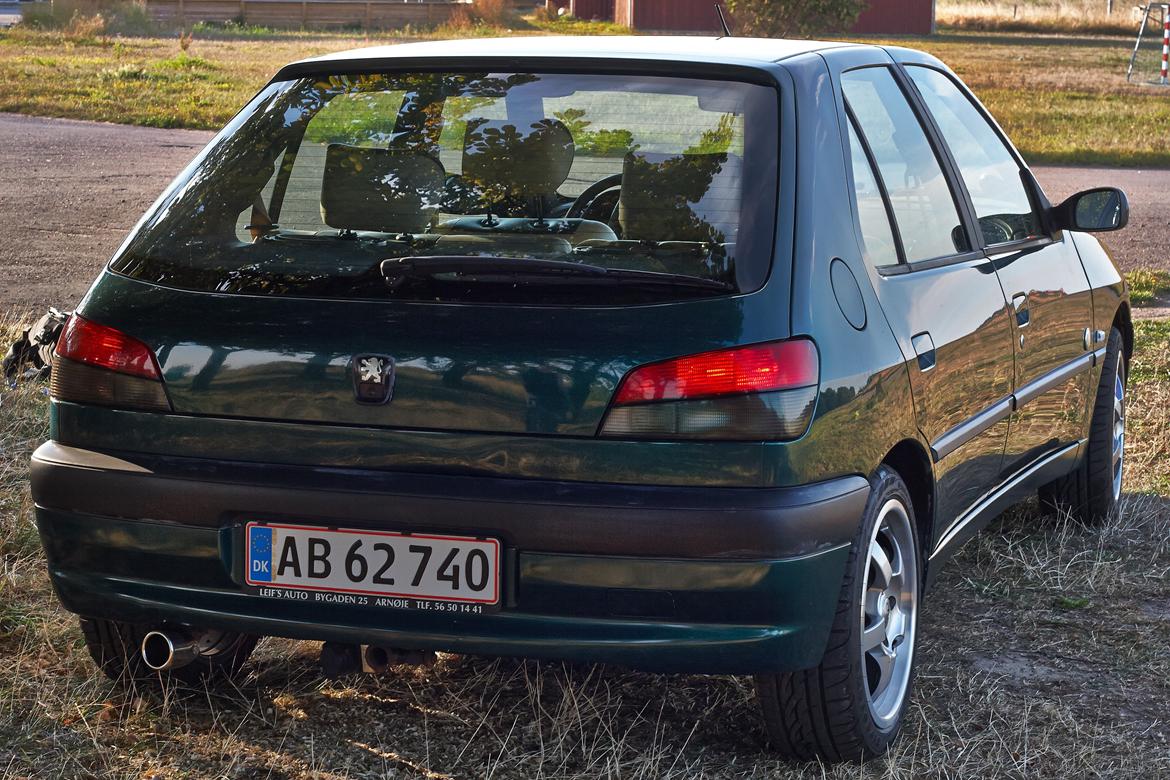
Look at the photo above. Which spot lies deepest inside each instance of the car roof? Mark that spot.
(681, 48)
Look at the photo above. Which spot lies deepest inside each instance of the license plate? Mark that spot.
(397, 570)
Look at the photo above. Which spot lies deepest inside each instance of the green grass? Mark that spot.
(1062, 99)
(143, 81)
(1151, 360)
(1147, 286)
(1148, 418)
(573, 26)
(235, 30)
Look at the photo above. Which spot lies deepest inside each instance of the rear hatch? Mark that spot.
(463, 368)
(507, 246)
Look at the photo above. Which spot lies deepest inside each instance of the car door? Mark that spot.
(941, 295)
(1041, 274)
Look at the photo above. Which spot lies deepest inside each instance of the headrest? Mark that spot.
(691, 197)
(386, 190)
(503, 159)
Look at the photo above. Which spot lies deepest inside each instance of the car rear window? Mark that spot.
(532, 187)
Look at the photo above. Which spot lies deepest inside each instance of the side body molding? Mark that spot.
(973, 426)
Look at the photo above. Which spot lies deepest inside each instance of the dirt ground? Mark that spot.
(70, 191)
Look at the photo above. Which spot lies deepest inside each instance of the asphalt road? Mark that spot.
(70, 191)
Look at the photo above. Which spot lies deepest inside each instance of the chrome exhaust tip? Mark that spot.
(165, 649)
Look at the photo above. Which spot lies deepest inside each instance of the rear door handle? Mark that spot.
(1020, 304)
(924, 347)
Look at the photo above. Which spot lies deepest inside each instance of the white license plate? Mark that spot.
(396, 567)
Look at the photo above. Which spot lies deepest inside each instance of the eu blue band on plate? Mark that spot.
(260, 554)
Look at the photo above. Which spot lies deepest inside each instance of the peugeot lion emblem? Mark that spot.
(373, 378)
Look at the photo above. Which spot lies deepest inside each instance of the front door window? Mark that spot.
(988, 168)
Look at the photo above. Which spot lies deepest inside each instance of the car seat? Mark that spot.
(377, 189)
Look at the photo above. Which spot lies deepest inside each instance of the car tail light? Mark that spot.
(759, 392)
(96, 364)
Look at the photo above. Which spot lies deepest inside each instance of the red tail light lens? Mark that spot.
(96, 345)
(96, 364)
(762, 392)
(759, 368)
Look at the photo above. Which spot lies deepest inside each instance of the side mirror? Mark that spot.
(1097, 210)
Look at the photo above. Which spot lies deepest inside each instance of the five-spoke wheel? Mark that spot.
(888, 612)
(1118, 449)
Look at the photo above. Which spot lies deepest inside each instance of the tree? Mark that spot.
(792, 18)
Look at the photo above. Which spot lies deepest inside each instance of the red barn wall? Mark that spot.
(907, 17)
(667, 15)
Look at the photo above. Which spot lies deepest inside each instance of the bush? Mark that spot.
(493, 12)
(792, 18)
(460, 20)
(480, 13)
(129, 19)
(83, 28)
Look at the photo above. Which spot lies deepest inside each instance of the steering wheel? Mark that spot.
(586, 198)
(996, 230)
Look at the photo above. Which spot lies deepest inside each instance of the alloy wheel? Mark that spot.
(889, 613)
(1118, 427)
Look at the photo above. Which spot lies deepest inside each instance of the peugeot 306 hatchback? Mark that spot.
(688, 355)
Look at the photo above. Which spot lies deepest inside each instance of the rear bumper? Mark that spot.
(719, 580)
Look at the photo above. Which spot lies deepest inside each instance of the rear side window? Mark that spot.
(876, 233)
(928, 219)
(988, 168)
(657, 187)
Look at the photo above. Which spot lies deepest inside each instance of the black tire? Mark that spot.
(824, 713)
(1087, 492)
(114, 647)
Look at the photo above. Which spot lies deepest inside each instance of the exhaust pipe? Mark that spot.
(339, 659)
(378, 659)
(168, 649)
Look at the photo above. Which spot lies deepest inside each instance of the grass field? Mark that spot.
(1062, 99)
(1056, 17)
(1043, 655)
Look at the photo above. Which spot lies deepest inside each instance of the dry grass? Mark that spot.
(1043, 655)
(497, 12)
(1062, 99)
(1078, 17)
(127, 79)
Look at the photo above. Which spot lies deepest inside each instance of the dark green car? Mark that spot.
(689, 355)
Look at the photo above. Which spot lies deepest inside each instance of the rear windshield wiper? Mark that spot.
(397, 270)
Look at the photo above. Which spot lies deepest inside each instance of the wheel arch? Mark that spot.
(910, 459)
(1123, 321)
